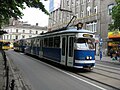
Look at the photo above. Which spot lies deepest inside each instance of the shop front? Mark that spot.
(114, 41)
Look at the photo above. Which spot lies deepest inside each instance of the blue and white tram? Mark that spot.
(71, 47)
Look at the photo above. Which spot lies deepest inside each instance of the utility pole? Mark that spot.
(100, 36)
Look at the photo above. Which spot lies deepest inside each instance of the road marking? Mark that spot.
(83, 80)
(75, 77)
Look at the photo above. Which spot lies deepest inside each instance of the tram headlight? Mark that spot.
(87, 57)
(90, 57)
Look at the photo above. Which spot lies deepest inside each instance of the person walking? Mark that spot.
(114, 55)
(118, 55)
(111, 53)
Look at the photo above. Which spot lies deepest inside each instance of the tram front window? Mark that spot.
(84, 44)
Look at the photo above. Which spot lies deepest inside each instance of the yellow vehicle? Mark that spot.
(5, 44)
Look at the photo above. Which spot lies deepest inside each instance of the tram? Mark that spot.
(19, 45)
(71, 47)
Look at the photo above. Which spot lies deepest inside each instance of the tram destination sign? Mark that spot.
(87, 35)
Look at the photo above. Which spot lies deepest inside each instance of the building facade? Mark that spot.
(21, 31)
(94, 14)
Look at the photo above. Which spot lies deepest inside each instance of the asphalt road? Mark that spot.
(41, 76)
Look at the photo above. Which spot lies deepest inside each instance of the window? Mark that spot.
(110, 8)
(72, 3)
(30, 31)
(67, 2)
(16, 37)
(7, 36)
(71, 41)
(67, 16)
(82, 14)
(16, 30)
(23, 36)
(36, 32)
(82, 1)
(95, 9)
(45, 42)
(77, 2)
(88, 10)
(51, 42)
(84, 43)
(92, 26)
(23, 31)
(63, 46)
(57, 41)
(76, 10)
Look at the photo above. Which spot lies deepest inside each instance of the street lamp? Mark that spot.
(100, 37)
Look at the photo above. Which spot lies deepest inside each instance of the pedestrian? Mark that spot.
(111, 53)
(114, 55)
(118, 55)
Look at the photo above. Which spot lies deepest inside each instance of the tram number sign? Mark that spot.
(87, 35)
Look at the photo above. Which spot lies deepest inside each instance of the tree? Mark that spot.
(116, 17)
(12, 8)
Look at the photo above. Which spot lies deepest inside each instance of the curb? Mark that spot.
(19, 82)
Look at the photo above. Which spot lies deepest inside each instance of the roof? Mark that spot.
(68, 30)
(24, 26)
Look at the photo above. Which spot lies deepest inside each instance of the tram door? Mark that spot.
(67, 50)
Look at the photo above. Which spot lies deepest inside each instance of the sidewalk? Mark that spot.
(14, 74)
(106, 59)
(3, 77)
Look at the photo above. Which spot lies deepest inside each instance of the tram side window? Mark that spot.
(28, 43)
(32, 41)
(51, 42)
(45, 42)
(57, 42)
(63, 46)
(37, 42)
(71, 46)
(41, 44)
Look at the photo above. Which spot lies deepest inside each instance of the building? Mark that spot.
(20, 30)
(94, 14)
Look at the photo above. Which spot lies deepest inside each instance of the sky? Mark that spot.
(33, 15)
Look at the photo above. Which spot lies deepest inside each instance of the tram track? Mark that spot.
(108, 76)
(109, 68)
(106, 84)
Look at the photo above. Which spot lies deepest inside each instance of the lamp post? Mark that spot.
(100, 37)
(100, 46)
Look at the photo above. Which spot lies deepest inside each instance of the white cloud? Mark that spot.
(33, 15)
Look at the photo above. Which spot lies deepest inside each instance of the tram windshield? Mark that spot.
(84, 43)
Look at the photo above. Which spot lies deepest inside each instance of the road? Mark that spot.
(41, 76)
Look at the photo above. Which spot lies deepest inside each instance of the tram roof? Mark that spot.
(67, 30)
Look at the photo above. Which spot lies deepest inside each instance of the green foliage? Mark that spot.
(115, 16)
(12, 8)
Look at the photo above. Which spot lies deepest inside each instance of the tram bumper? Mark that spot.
(84, 63)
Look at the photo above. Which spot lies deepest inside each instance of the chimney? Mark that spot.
(36, 24)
